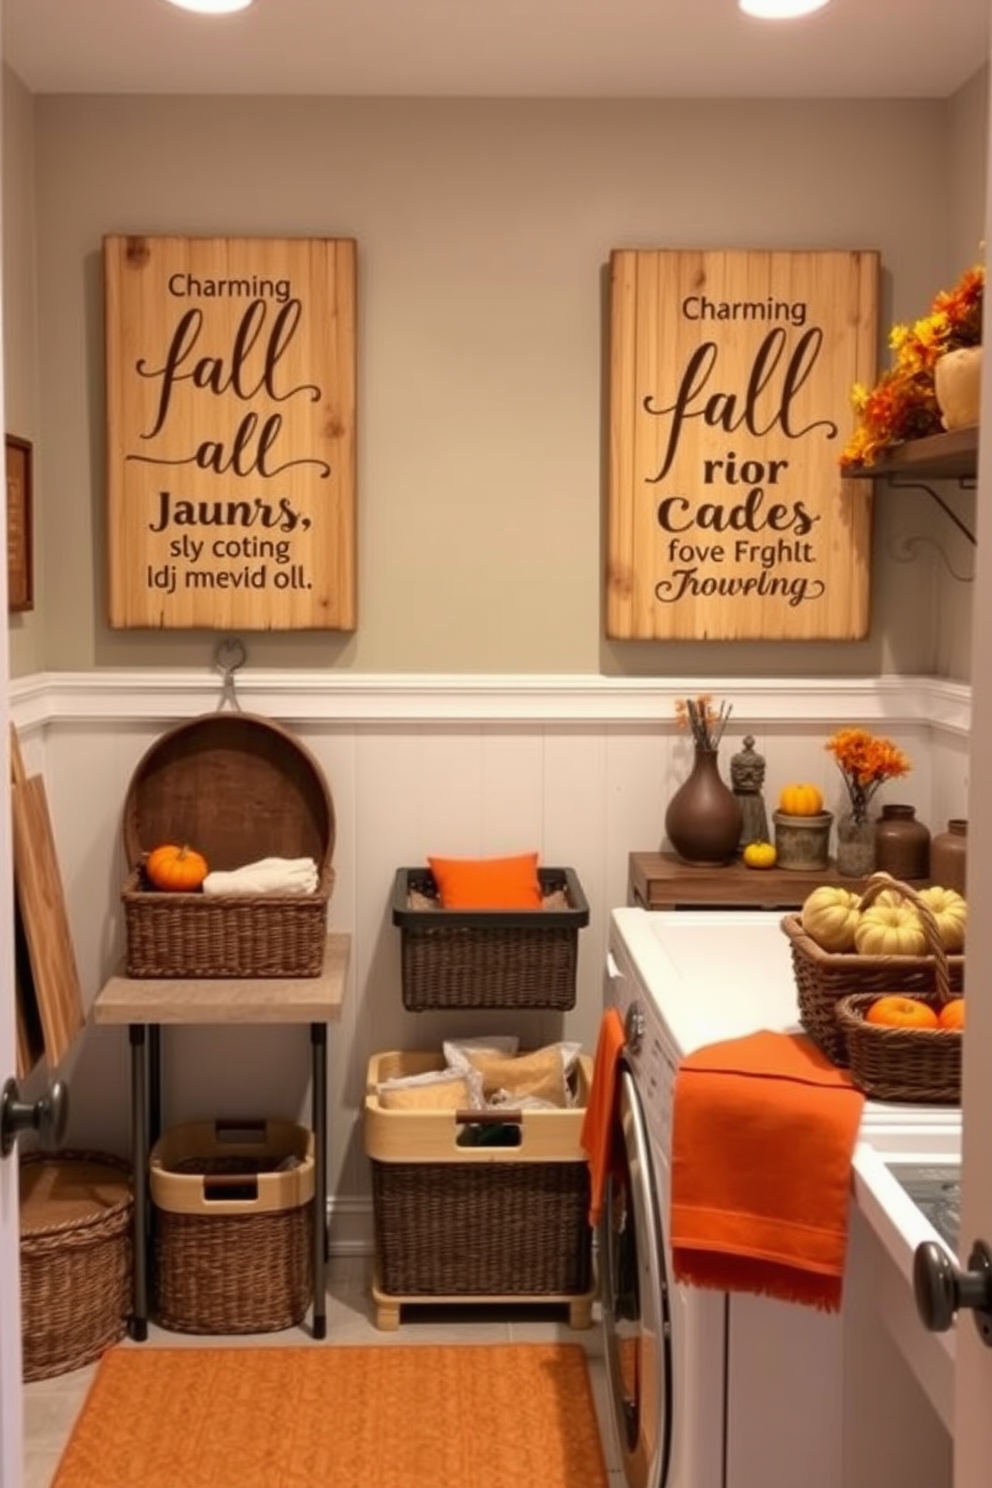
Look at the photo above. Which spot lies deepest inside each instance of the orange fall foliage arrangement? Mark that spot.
(865, 761)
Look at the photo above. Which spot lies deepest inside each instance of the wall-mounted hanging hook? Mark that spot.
(229, 655)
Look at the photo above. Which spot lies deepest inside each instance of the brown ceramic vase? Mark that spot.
(703, 821)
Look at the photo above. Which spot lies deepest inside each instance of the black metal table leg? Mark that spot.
(154, 1084)
(318, 1044)
(139, 1162)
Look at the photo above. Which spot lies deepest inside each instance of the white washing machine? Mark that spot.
(708, 1390)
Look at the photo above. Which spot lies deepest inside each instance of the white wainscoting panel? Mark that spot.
(580, 769)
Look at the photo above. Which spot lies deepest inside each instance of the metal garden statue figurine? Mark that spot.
(747, 776)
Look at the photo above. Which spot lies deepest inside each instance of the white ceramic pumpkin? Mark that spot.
(950, 910)
(829, 916)
(890, 930)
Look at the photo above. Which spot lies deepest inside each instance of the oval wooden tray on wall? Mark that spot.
(235, 786)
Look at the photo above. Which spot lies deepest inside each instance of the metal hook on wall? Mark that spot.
(229, 655)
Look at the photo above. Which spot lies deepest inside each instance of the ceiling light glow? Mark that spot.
(212, 7)
(780, 10)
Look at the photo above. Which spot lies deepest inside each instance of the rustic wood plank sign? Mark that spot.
(231, 432)
(731, 375)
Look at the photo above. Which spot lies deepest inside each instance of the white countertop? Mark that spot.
(719, 974)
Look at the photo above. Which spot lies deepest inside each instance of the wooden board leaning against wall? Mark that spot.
(49, 996)
(730, 400)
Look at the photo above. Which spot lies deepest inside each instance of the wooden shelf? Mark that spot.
(951, 456)
(662, 881)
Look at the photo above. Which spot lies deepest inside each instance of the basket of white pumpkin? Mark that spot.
(888, 939)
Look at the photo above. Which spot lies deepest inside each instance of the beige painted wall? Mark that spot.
(20, 337)
(484, 228)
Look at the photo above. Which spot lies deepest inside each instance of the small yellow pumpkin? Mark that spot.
(801, 799)
(950, 910)
(890, 930)
(175, 870)
(830, 916)
(760, 855)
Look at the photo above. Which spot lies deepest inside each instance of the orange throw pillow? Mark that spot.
(487, 883)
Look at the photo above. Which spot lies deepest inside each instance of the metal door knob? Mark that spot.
(942, 1288)
(47, 1116)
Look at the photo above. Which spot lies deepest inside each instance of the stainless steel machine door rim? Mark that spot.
(634, 1292)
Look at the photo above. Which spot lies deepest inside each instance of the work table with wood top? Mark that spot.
(144, 1004)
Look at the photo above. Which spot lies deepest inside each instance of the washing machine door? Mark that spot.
(634, 1292)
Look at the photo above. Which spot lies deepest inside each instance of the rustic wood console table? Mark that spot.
(663, 881)
(145, 1004)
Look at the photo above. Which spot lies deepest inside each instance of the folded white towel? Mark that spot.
(266, 876)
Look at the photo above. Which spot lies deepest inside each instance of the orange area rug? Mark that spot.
(379, 1416)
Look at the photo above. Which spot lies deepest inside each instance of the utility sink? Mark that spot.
(907, 1185)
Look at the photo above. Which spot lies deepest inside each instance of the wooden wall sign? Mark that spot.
(731, 375)
(231, 432)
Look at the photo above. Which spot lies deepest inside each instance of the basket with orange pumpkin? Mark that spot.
(901, 952)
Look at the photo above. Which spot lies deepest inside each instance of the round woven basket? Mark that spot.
(233, 1226)
(824, 977)
(238, 787)
(892, 1063)
(75, 1258)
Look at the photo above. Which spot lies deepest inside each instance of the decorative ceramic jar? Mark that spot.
(802, 842)
(855, 845)
(703, 820)
(949, 856)
(902, 844)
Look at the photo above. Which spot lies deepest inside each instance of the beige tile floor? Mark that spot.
(50, 1406)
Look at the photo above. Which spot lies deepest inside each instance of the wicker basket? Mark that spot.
(75, 1259)
(233, 1233)
(905, 1064)
(239, 788)
(477, 1221)
(453, 958)
(823, 977)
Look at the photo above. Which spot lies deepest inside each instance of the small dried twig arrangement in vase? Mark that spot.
(705, 722)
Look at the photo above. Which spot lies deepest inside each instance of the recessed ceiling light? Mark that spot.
(212, 7)
(780, 10)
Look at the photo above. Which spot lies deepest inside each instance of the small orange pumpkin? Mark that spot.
(951, 1014)
(801, 799)
(176, 870)
(895, 1011)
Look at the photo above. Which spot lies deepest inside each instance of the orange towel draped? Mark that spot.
(763, 1133)
(598, 1123)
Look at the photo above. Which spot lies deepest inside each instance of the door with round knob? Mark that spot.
(47, 1115)
(942, 1288)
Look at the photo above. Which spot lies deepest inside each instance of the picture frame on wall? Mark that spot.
(20, 585)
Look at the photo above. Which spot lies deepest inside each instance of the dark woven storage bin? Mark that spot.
(237, 788)
(504, 958)
(823, 977)
(233, 1227)
(482, 1221)
(75, 1258)
(510, 1229)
